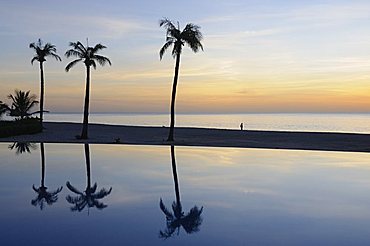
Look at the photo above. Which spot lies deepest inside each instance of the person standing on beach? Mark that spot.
(241, 126)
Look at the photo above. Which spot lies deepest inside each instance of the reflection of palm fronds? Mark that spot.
(88, 197)
(44, 196)
(22, 147)
(190, 222)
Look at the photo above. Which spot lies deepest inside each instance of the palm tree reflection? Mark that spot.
(42, 194)
(90, 197)
(190, 222)
(22, 147)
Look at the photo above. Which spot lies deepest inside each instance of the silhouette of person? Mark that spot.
(241, 126)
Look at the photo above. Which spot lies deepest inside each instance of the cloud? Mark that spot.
(25, 21)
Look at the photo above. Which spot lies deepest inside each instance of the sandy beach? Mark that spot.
(107, 134)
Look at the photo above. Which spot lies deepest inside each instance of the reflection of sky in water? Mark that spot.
(250, 197)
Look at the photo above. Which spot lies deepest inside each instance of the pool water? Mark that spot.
(79, 194)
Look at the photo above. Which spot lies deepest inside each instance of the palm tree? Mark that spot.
(22, 102)
(42, 194)
(22, 147)
(191, 221)
(89, 56)
(89, 197)
(191, 36)
(43, 51)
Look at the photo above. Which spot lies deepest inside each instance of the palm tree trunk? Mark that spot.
(88, 172)
(42, 95)
(85, 123)
(42, 164)
(174, 172)
(174, 87)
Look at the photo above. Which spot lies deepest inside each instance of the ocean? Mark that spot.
(314, 122)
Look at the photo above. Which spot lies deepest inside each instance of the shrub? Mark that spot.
(20, 127)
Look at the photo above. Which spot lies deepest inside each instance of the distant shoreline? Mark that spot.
(62, 132)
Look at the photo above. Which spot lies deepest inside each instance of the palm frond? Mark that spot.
(102, 60)
(43, 51)
(35, 58)
(49, 47)
(55, 56)
(164, 48)
(73, 189)
(73, 200)
(78, 46)
(98, 47)
(166, 23)
(169, 215)
(192, 36)
(22, 102)
(88, 54)
(33, 46)
(167, 233)
(102, 193)
(73, 52)
(99, 205)
(192, 220)
(57, 191)
(35, 189)
(72, 64)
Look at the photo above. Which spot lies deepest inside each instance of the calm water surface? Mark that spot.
(359, 123)
(227, 196)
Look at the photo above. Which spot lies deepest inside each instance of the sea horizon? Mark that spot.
(311, 122)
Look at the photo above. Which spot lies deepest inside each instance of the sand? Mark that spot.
(57, 132)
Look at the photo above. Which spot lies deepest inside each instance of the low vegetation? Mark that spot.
(23, 123)
(19, 127)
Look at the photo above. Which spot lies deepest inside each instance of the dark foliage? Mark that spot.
(19, 127)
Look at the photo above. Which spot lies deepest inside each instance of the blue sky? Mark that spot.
(259, 56)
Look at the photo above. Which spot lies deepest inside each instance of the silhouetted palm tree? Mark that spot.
(43, 51)
(22, 147)
(191, 36)
(42, 194)
(22, 102)
(89, 56)
(89, 197)
(191, 221)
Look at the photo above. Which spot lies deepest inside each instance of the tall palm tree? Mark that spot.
(191, 36)
(22, 102)
(43, 51)
(89, 197)
(191, 221)
(89, 56)
(43, 195)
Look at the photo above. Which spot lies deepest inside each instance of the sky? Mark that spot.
(259, 55)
